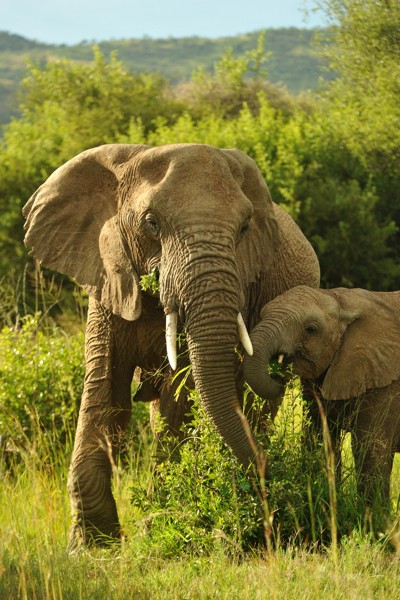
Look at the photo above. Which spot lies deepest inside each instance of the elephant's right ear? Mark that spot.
(71, 225)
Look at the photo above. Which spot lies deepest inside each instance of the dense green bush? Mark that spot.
(41, 379)
(201, 497)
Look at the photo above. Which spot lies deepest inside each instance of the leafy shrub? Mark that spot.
(202, 497)
(41, 378)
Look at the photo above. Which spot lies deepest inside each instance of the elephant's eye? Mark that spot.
(311, 328)
(152, 224)
(244, 227)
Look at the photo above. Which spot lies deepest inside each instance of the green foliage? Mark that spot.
(95, 100)
(292, 63)
(41, 378)
(233, 82)
(150, 282)
(331, 161)
(351, 241)
(202, 497)
(355, 148)
(364, 49)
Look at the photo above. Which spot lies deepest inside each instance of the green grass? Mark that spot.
(196, 529)
(34, 562)
(34, 517)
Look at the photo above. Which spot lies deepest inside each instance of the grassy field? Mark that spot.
(197, 528)
(34, 522)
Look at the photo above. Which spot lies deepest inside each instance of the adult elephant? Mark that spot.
(346, 341)
(203, 218)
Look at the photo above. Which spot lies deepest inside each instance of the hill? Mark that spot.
(292, 63)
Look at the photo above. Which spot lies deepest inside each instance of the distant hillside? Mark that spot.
(292, 63)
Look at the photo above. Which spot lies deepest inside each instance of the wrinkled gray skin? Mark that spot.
(204, 218)
(347, 341)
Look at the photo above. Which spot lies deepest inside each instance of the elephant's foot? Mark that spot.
(88, 536)
(93, 508)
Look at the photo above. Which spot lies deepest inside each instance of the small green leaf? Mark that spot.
(150, 282)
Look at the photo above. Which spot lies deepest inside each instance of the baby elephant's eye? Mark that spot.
(311, 328)
(245, 227)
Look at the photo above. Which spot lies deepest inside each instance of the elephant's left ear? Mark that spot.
(256, 250)
(369, 356)
(71, 226)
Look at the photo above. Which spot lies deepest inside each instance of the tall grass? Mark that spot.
(34, 517)
(194, 525)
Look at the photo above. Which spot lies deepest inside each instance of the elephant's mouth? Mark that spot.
(171, 322)
(298, 362)
(279, 364)
(280, 360)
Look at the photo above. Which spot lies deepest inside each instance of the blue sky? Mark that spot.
(72, 21)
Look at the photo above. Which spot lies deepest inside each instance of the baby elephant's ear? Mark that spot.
(71, 225)
(369, 356)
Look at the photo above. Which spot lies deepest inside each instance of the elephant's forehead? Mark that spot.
(186, 164)
(197, 172)
(304, 299)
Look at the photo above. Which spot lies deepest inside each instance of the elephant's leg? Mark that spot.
(375, 433)
(373, 463)
(103, 416)
(373, 458)
(316, 434)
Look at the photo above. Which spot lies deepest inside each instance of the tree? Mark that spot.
(233, 82)
(363, 47)
(354, 148)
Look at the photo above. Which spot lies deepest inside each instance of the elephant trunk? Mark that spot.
(207, 293)
(268, 342)
(213, 363)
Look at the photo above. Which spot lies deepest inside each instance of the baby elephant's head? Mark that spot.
(349, 337)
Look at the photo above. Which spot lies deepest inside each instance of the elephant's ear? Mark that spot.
(256, 250)
(370, 350)
(71, 225)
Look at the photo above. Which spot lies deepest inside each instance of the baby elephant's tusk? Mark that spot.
(280, 358)
(170, 338)
(244, 336)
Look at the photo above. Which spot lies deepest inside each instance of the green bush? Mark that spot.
(41, 378)
(202, 497)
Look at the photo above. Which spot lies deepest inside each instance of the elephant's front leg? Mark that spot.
(104, 415)
(373, 462)
(323, 424)
(376, 428)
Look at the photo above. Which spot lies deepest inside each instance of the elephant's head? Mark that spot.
(201, 216)
(349, 337)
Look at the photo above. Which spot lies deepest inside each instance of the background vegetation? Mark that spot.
(332, 159)
(293, 61)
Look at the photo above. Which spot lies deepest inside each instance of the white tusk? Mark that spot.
(280, 358)
(244, 336)
(170, 338)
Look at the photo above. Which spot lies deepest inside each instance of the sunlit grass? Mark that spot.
(189, 530)
(34, 517)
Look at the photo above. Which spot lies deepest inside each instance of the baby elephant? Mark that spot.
(346, 341)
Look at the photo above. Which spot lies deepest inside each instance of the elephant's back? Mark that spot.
(295, 262)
